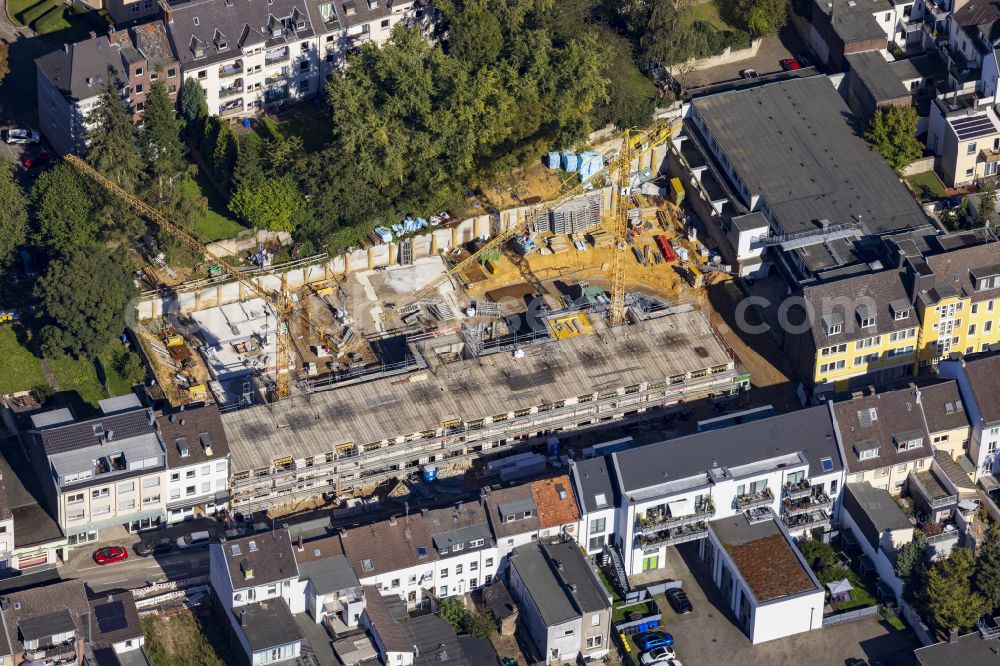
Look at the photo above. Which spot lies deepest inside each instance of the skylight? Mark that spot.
(827, 464)
(600, 499)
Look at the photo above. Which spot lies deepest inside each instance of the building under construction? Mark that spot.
(455, 395)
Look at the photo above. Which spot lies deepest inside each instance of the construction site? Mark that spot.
(419, 355)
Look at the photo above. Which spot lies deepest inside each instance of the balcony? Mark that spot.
(276, 77)
(360, 38)
(673, 536)
(278, 55)
(229, 91)
(225, 71)
(232, 108)
(806, 521)
(807, 504)
(940, 532)
(272, 95)
(754, 500)
(760, 514)
(797, 490)
(927, 486)
(660, 518)
(63, 654)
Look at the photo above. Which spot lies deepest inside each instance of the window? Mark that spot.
(151, 482)
(969, 172)
(304, 65)
(73, 516)
(189, 490)
(444, 572)
(152, 499)
(395, 582)
(75, 498)
(488, 579)
(835, 349)
(597, 525)
(868, 454)
(489, 562)
(594, 641)
(102, 510)
(385, 24)
(127, 506)
(476, 543)
(596, 543)
(868, 342)
(826, 464)
(443, 591)
(126, 487)
(971, 149)
(458, 569)
(98, 493)
(830, 367)
(884, 471)
(202, 74)
(473, 566)
(173, 72)
(600, 499)
(367, 566)
(473, 583)
(595, 620)
(510, 518)
(190, 474)
(176, 476)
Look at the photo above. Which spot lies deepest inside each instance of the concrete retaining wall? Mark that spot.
(921, 165)
(727, 57)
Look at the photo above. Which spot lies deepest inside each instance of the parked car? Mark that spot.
(153, 547)
(678, 600)
(16, 135)
(658, 655)
(110, 555)
(789, 64)
(749, 74)
(193, 540)
(804, 60)
(651, 639)
(35, 161)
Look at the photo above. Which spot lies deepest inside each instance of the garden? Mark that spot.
(47, 17)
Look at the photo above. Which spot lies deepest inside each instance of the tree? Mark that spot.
(224, 153)
(763, 17)
(85, 297)
(950, 599)
(910, 554)
(159, 140)
(818, 554)
(671, 38)
(13, 214)
(480, 623)
(111, 138)
(128, 365)
(987, 203)
(475, 36)
(987, 578)
(893, 133)
(64, 211)
(193, 102)
(4, 68)
(268, 203)
(452, 611)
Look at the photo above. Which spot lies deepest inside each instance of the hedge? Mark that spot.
(35, 12)
(719, 40)
(52, 20)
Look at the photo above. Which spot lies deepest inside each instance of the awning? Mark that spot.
(839, 586)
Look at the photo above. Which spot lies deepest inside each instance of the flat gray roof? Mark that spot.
(879, 506)
(877, 76)
(792, 143)
(387, 408)
(809, 431)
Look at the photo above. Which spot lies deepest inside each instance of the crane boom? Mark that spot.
(633, 144)
(617, 317)
(279, 301)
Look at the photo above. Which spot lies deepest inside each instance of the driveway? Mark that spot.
(709, 634)
(773, 49)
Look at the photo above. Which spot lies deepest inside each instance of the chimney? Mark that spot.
(301, 543)
(65, 48)
(93, 35)
(392, 520)
(423, 512)
(901, 260)
(243, 615)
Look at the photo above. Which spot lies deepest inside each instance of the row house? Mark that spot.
(101, 472)
(979, 384)
(198, 461)
(70, 79)
(526, 512)
(668, 493)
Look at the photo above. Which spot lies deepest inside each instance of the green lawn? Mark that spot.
(860, 595)
(927, 186)
(709, 12)
(211, 223)
(76, 22)
(609, 586)
(21, 369)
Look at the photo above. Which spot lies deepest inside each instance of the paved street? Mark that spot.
(136, 571)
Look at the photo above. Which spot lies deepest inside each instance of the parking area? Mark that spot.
(709, 635)
(773, 49)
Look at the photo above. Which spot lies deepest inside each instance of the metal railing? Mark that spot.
(807, 504)
(674, 536)
(226, 71)
(652, 524)
(753, 500)
(798, 490)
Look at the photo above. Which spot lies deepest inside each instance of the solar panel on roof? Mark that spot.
(971, 128)
(111, 616)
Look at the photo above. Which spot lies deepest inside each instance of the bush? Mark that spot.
(452, 611)
(480, 624)
(720, 40)
(51, 21)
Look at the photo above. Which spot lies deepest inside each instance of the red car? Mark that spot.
(39, 160)
(110, 555)
(789, 64)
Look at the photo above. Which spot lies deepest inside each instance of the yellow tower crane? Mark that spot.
(279, 300)
(634, 144)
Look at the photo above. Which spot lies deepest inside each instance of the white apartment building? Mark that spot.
(256, 580)
(102, 472)
(439, 553)
(977, 383)
(197, 460)
(667, 493)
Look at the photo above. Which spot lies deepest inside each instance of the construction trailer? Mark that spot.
(459, 397)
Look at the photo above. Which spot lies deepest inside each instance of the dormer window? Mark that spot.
(987, 277)
(866, 316)
(908, 441)
(221, 43)
(182, 447)
(833, 323)
(350, 9)
(372, 4)
(866, 450)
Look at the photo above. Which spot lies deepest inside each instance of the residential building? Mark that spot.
(855, 332)
(883, 437)
(116, 632)
(101, 472)
(564, 608)
(968, 53)
(940, 491)
(839, 28)
(7, 541)
(597, 499)
(333, 593)
(958, 302)
(670, 491)
(49, 624)
(197, 460)
(878, 525)
(382, 619)
(435, 553)
(972, 648)
(964, 135)
(70, 79)
(979, 385)
(257, 583)
(38, 540)
(827, 206)
(525, 512)
(947, 422)
(766, 583)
